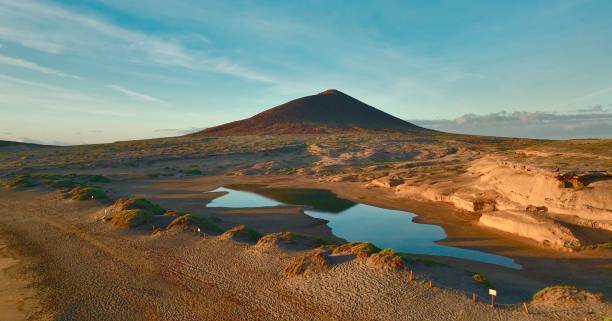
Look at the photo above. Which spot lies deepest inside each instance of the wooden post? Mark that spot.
(430, 284)
(474, 297)
(525, 306)
(410, 277)
(493, 301)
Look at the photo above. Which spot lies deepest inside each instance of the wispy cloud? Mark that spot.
(178, 131)
(20, 93)
(17, 62)
(593, 109)
(594, 123)
(135, 95)
(53, 29)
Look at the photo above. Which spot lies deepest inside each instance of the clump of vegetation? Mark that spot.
(276, 238)
(308, 263)
(133, 212)
(386, 260)
(607, 245)
(191, 222)
(290, 240)
(131, 218)
(479, 278)
(56, 181)
(174, 213)
(193, 171)
(565, 294)
(137, 203)
(22, 181)
(63, 184)
(361, 249)
(85, 193)
(242, 233)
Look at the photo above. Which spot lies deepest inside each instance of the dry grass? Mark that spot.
(386, 260)
(565, 294)
(312, 262)
(193, 223)
(131, 218)
(134, 212)
(242, 233)
(87, 193)
(137, 204)
(361, 249)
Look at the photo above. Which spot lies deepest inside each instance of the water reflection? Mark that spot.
(357, 222)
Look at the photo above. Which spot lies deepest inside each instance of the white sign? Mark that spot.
(492, 292)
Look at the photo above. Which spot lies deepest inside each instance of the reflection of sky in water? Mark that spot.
(380, 226)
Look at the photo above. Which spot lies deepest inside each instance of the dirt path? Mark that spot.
(91, 271)
(19, 299)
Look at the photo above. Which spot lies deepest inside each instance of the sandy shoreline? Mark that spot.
(94, 271)
(541, 266)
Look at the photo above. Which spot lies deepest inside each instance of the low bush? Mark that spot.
(123, 204)
(193, 171)
(188, 221)
(22, 181)
(386, 260)
(361, 249)
(307, 263)
(565, 294)
(85, 193)
(242, 233)
(131, 218)
(479, 278)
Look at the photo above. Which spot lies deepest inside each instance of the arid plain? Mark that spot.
(123, 231)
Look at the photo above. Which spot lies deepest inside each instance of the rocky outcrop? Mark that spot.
(387, 182)
(543, 230)
(587, 196)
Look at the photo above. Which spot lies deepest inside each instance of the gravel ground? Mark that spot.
(91, 271)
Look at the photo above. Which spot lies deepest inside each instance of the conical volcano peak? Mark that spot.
(330, 111)
(331, 92)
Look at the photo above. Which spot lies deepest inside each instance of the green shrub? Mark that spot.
(144, 204)
(255, 235)
(131, 218)
(543, 291)
(200, 222)
(357, 248)
(193, 171)
(607, 245)
(479, 278)
(85, 193)
(63, 183)
(48, 176)
(242, 232)
(22, 181)
(99, 179)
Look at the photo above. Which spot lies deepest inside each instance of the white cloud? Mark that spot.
(135, 95)
(17, 62)
(50, 28)
(590, 124)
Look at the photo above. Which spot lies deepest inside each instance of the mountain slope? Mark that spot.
(330, 111)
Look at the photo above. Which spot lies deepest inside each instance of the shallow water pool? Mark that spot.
(357, 222)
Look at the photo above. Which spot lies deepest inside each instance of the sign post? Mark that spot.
(493, 294)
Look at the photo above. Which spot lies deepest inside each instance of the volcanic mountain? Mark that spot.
(330, 111)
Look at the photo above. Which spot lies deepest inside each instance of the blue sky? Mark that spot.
(99, 71)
